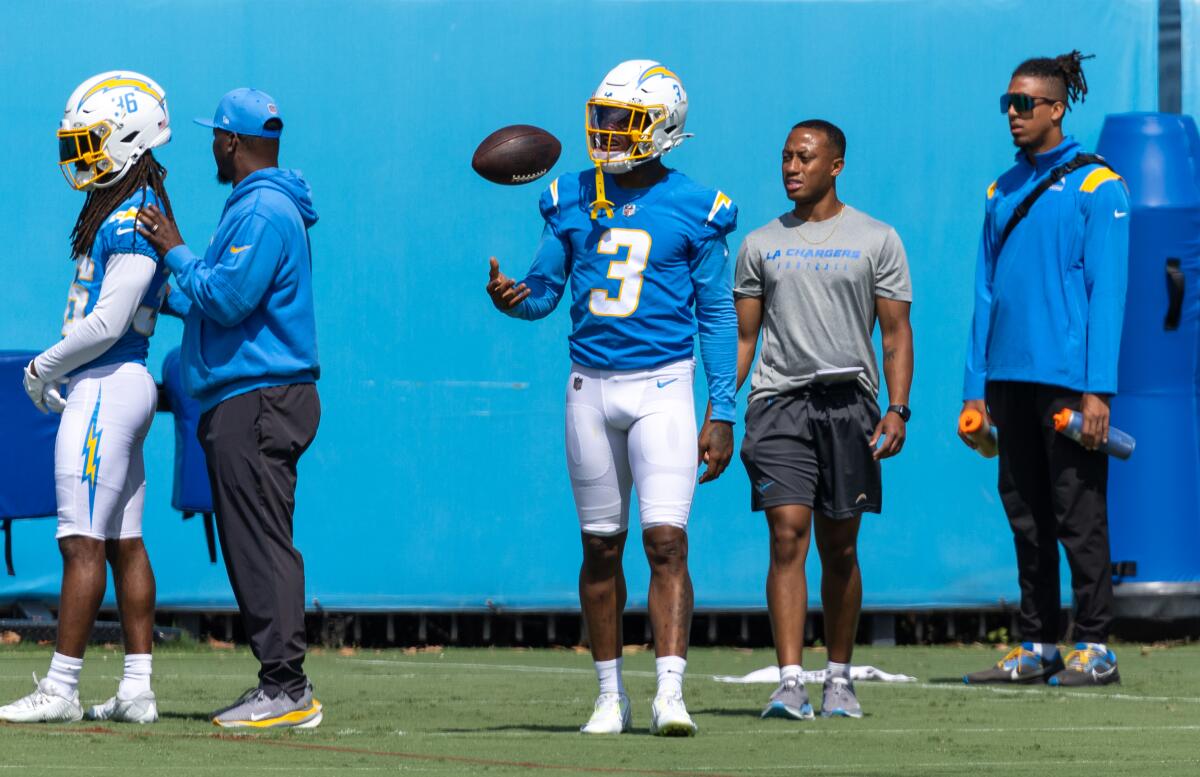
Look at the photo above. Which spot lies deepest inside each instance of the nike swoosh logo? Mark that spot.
(124, 231)
(1117, 214)
(665, 383)
(239, 249)
(260, 716)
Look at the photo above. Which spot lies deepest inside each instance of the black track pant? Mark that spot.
(252, 443)
(1053, 490)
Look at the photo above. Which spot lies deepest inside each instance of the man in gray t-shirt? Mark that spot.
(813, 282)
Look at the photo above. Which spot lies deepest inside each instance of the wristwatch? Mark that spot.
(901, 410)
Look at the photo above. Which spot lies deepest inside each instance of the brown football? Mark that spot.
(516, 154)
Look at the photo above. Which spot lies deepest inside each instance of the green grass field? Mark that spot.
(505, 711)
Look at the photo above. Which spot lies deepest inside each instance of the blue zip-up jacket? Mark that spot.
(249, 320)
(1050, 307)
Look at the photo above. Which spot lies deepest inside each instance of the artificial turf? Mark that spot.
(513, 711)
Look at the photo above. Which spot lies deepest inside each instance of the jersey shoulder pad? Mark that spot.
(564, 194)
(118, 234)
(722, 213)
(1094, 176)
(711, 210)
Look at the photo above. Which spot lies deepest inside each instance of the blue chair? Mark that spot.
(26, 452)
(192, 494)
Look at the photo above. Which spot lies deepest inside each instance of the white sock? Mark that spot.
(137, 675)
(838, 670)
(1103, 648)
(1047, 650)
(64, 672)
(609, 675)
(670, 674)
(790, 671)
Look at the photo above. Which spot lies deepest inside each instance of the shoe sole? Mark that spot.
(674, 730)
(1112, 679)
(35, 720)
(1041, 679)
(780, 710)
(292, 719)
(841, 714)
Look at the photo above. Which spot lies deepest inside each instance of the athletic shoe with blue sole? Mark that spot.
(790, 700)
(1088, 664)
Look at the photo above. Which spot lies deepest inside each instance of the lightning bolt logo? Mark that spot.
(91, 456)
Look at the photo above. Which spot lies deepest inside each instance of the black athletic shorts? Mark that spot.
(812, 447)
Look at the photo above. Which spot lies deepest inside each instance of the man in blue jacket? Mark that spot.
(1049, 305)
(250, 357)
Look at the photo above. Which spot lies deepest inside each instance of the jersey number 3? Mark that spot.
(628, 271)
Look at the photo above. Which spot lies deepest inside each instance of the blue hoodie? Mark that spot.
(1049, 307)
(248, 312)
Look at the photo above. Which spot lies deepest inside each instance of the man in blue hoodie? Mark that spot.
(250, 357)
(1049, 306)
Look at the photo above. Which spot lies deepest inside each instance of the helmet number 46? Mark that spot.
(628, 271)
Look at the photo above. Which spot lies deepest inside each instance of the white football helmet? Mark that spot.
(635, 115)
(111, 120)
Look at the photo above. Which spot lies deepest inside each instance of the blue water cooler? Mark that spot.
(1154, 497)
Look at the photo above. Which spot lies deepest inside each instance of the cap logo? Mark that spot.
(224, 119)
(271, 108)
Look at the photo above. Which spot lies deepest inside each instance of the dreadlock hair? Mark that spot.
(1067, 69)
(146, 173)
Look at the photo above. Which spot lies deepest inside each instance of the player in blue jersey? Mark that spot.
(111, 123)
(643, 249)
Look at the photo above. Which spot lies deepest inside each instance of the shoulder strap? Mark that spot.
(1056, 174)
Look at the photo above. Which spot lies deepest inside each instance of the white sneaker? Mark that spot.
(45, 705)
(611, 715)
(669, 718)
(142, 708)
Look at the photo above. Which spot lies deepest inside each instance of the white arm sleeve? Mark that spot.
(126, 279)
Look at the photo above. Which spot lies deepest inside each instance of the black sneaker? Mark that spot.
(1021, 665)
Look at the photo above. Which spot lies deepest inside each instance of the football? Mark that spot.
(516, 154)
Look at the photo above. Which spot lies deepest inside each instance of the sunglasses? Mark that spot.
(1022, 103)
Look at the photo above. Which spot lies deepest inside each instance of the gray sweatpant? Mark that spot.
(252, 443)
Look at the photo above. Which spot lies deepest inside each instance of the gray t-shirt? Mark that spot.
(819, 282)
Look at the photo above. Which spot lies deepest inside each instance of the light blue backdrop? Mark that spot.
(437, 478)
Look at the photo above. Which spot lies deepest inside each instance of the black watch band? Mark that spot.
(901, 410)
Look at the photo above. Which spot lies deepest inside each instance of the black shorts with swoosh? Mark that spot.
(812, 447)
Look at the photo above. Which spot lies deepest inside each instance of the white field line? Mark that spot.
(434, 664)
(1046, 691)
(500, 667)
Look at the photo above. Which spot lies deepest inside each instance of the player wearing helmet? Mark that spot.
(111, 123)
(647, 269)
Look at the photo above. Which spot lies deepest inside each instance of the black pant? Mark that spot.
(1054, 490)
(252, 443)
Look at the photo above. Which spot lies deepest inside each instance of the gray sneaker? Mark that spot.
(255, 709)
(838, 699)
(790, 700)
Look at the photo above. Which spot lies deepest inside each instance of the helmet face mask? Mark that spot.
(110, 121)
(621, 135)
(636, 114)
(81, 154)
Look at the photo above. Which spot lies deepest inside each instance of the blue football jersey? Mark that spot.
(644, 280)
(118, 235)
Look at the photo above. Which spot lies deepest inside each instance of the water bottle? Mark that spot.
(1070, 423)
(970, 423)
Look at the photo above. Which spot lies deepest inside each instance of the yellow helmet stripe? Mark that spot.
(112, 83)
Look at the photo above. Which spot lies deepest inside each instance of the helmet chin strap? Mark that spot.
(601, 203)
